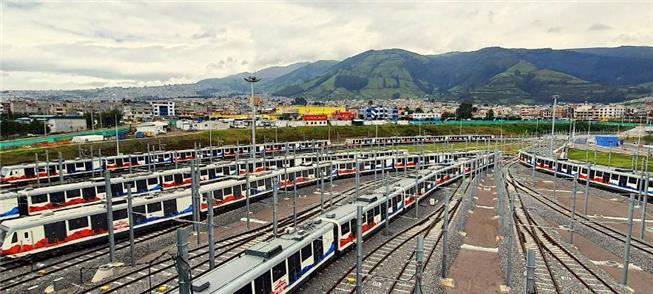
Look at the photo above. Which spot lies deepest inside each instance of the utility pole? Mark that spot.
(209, 230)
(445, 234)
(248, 186)
(251, 80)
(357, 188)
(181, 263)
(61, 167)
(629, 236)
(419, 260)
(359, 250)
(642, 230)
(108, 196)
(587, 186)
(275, 191)
(116, 122)
(553, 123)
(294, 205)
(530, 272)
(130, 217)
(573, 208)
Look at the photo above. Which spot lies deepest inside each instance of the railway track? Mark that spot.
(397, 247)
(163, 274)
(552, 252)
(606, 230)
(43, 271)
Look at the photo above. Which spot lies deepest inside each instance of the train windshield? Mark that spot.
(3, 233)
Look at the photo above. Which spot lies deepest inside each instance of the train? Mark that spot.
(397, 140)
(52, 231)
(58, 197)
(281, 264)
(29, 172)
(601, 176)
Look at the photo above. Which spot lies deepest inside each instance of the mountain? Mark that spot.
(235, 83)
(491, 74)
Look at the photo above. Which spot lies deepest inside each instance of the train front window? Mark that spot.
(3, 233)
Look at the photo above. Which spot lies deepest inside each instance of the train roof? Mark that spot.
(258, 259)
(66, 214)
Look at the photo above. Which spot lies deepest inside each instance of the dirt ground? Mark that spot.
(476, 268)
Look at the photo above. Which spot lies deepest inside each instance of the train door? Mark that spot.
(279, 277)
(56, 232)
(57, 198)
(179, 178)
(307, 256)
(294, 267)
(88, 193)
(141, 185)
(29, 173)
(169, 207)
(622, 180)
(98, 223)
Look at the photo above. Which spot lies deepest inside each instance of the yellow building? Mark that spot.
(311, 110)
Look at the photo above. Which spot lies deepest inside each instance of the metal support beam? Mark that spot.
(130, 217)
(419, 260)
(109, 205)
(530, 272)
(209, 230)
(629, 237)
(181, 263)
(359, 250)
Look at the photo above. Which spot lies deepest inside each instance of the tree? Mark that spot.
(445, 115)
(299, 101)
(419, 110)
(465, 110)
(490, 114)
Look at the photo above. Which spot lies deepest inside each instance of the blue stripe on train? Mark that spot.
(12, 212)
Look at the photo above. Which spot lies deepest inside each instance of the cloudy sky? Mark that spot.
(89, 44)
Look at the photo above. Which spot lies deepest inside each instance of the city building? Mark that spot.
(66, 124)
(381, 113)
(137, 112)
(163, 108)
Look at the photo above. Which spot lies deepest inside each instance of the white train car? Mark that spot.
(601, 176)
(282, 264)
(17, 174)
(397, 140)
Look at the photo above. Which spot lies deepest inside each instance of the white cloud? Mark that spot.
(90, 44)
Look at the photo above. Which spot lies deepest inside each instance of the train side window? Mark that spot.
(263, 284)
(294, 267)
(247, 289)
(152, 181)
(14, 238)
(344, 228)
(279, 271)
(307, 252)
(154, 207)
(73, 193)
(39, 198)
(227, 191)
(119, 214)
(89, 192)
(217, 194)
(167, 178)
(77, 223)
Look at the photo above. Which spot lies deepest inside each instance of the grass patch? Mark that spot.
(619, 160)
(242, 136)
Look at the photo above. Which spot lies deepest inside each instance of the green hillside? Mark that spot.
(494, 74)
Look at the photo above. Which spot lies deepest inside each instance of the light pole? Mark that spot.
(553, 122)
(251, 80)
